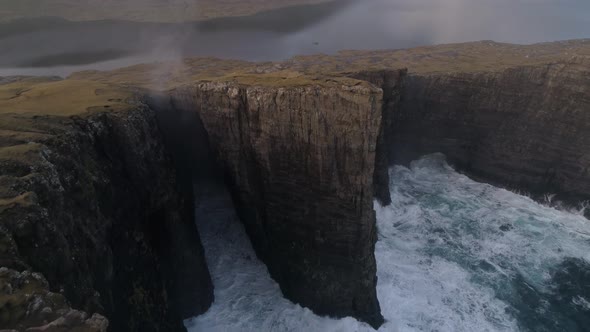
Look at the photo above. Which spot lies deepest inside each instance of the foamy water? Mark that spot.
(452, 255)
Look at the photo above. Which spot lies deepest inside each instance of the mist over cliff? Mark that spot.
(54, 46)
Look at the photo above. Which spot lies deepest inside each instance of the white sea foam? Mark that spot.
(246, 298)
(448, 254)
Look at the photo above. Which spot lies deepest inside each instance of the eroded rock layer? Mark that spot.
(299, 161)
(526, 128)
(91, 203)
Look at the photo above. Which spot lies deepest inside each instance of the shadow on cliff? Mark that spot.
(187, 141)
(289, 192)
(522, 128)
(477, 120)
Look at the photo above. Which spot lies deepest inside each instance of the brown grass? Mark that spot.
(24, 200)
(110, 91)
(21, 152)
(63, 98)
(466, 57)
(288, 78)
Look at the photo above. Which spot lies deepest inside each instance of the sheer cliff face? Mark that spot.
(525, 128)
(392, 84)
(91, 204)
(94, 204)
(299, 162)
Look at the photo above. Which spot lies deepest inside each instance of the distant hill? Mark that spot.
(481, 56)
(140, 10)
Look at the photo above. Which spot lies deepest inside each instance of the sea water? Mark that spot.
(452, 255)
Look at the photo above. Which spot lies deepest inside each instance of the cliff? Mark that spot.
(95, 195)
(526, 128)
(90, 202)
(297, 154)
(299, 160)
(392, 85)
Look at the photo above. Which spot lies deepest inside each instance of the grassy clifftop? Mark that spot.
(465, 57)
(31, 107)
(33, 110)
(111, 90)
(46, 96)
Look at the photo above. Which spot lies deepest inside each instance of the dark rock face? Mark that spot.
(526, 128)
(96, 206)
(101, 217)
(391, 82)
(26, 294)
(299, 162)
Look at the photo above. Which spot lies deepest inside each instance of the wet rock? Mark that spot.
(27, 304)
(524, 128)
(299, 161)
(103, 219)
(392, 84)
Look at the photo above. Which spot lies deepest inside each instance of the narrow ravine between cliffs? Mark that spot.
(452, 255)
